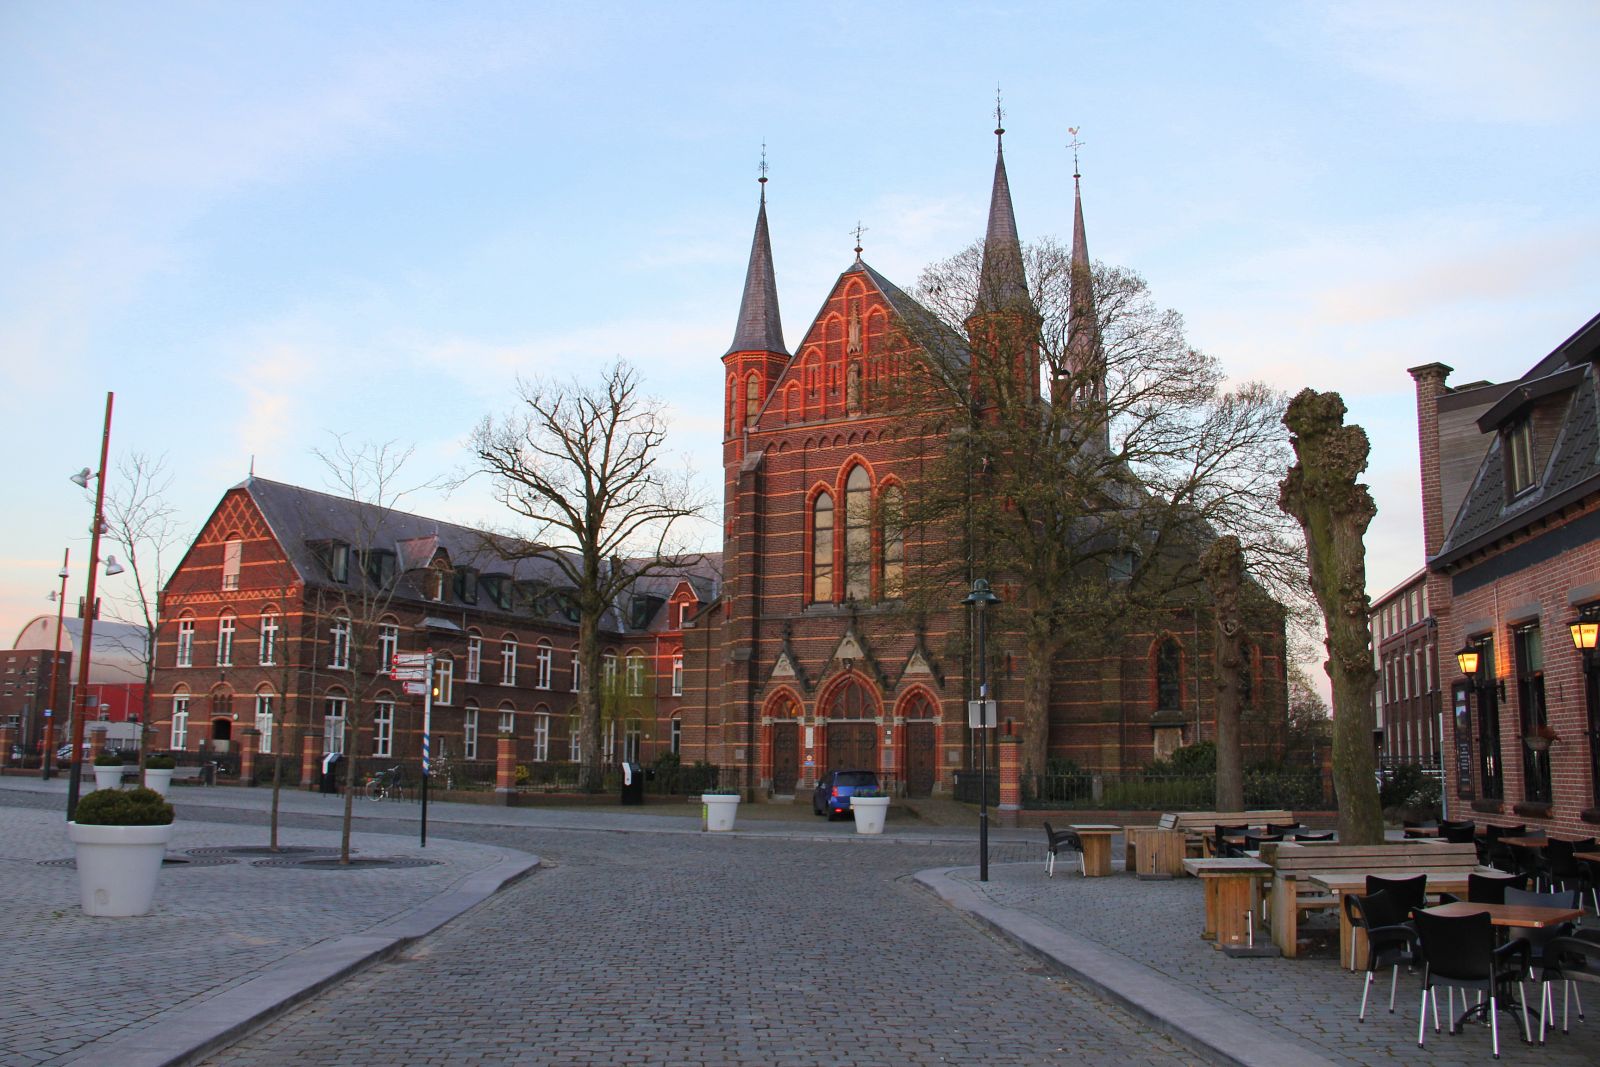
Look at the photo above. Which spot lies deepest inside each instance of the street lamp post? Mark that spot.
(79, 711)
(980, 598)
(60, 598)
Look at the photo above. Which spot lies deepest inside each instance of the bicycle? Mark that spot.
(385, 785)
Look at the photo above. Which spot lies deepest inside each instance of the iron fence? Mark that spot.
(968, 786)
(1137, 791)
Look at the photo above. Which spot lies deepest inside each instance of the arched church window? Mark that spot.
(858, 535)
(1169, 676)
(822, 548)
(894, 542)
(752, 400)
(852, 700)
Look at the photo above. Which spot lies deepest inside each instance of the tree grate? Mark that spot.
(261, 850)
(169, 860)
(331, 863)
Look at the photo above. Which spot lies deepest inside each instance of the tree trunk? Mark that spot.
(1334, 509)
(1036, 705)
(1223, 566)
(591, 776)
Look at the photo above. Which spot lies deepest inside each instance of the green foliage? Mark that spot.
(1408, 786)
(1060, 766)
(108, 759)
(1198, 758)
(869, 791)
(524, 776)
(720, 793)
(158, 762)
(118, 807)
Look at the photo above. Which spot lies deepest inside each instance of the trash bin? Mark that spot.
(632, 784)
(331, 764)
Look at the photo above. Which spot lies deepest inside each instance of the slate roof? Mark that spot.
(1572, 470)
(760, 327)
(1002, 281)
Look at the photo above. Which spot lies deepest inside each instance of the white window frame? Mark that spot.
(264, 723)
(185, 643)
(508, 661)
(608, 672)
(444, 678)
(335, 713)
(474, 657)
(339, 645)
(541, 737)
(388, 645)
(632, 740)
(508, 721)
(180, 722)
(383, 729)
(608, 742)
(232, 556)
(577, 671)
(677, 736)
(227, 626)
(269, 639)
(677, 675)
(636, 674)
(574, 739)
(546, 661)
(469, 733)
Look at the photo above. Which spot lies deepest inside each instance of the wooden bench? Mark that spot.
(1294, 864)
(1198, 826)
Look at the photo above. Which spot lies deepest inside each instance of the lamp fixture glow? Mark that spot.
(1467, 659)
(1585, 631)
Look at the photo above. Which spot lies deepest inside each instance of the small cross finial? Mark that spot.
(763, 168)
(858, 231)
(1074, 144)
(999, 114)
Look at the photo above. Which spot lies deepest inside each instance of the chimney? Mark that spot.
(1430, 379)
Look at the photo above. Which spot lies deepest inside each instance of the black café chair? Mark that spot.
(1563, 870)
(1538, 942)
(1408, 893)
(1504, 856)
(1569, 958)
(1252, 843)
(1459, 953)
(1458, 835)
(1390, 942)
(1485, 889)
(1306, 835)
(1219, 847)
(1284, 829)
(1061, 841)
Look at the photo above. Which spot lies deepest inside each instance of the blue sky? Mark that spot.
(262, 223)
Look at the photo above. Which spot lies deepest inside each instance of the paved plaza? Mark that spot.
(567, 936)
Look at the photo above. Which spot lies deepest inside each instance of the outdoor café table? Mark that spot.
(1421, 832)
(1514, 916)
(1592, 857)
(1096, 838)
(1233, 894)
(1353, 942)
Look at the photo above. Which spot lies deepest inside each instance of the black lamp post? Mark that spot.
(981, 597)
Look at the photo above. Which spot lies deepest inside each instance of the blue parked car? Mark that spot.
(832, 796)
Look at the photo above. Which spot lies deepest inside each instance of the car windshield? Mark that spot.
(858, 778)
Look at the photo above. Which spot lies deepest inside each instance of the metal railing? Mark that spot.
(1137, 791)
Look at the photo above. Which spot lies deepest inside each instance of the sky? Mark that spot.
(264, 224)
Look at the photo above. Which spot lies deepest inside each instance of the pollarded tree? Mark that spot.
(582, 464)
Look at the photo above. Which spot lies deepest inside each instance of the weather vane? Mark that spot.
(1074, 144)
(999, 114)
(763, 178)
(858, 231)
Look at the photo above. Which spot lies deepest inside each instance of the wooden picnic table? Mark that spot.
(1153, 852)
(1352, 941)
(1096, 838)
(1233, 897)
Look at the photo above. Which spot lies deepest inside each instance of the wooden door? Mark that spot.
(852, 746)
(785, 757)
(920, 758)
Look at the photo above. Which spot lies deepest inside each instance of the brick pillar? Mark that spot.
(1010, 779)
(308, 760)
(505, 767)
(8, 737)
(248, 741)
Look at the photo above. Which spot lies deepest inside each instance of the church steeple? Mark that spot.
(1002, 283)
(760, 328)
(1085, 363)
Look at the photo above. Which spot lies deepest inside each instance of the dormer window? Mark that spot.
(1519, 457)
(337, 556)
(379, 565)
(433, 583)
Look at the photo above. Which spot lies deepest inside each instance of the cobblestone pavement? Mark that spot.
(213, 927)
(675, 950)
(1311, 1000)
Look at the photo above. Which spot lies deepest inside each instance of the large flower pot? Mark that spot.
(158, 779)
(718, 812)
(870, 813)
(118, 866)
(108, 777)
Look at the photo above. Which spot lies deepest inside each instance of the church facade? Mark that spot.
(812, 659)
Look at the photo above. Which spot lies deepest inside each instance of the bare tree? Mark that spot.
(1093, 505)
(145, 529)
(582, 464)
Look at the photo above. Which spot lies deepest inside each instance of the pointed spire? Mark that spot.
(1085, 356)
(760, 328)
(1002, 283)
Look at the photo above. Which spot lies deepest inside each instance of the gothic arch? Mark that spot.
(783, 703)
(852, 697)
(917, 704)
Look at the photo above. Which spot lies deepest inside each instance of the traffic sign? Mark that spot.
(981, 709)
(415, 689)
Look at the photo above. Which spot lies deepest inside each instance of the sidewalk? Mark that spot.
(1138, 942)
(227, 944)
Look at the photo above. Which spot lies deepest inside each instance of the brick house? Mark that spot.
(809, 660)
(1511, 518)
(1405, 650)
(283, 614)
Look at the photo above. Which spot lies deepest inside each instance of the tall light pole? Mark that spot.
(60, 597)
(979, 715)
(79, 707)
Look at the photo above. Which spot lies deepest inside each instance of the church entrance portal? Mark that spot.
(919, 758)
(785, 757)
(852, 746)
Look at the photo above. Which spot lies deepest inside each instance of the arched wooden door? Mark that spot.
(921, 732)
(852, 733)
(783, 745)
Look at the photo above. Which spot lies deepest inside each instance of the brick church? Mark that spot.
(811, 659)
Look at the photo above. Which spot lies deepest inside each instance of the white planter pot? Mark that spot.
(718, 812)
(108, 777)
(870, 813)
(118, 866)
(159, 780)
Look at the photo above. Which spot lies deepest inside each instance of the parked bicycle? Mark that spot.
(385, 785)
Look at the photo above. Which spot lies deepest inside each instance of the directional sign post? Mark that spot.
(414, 670)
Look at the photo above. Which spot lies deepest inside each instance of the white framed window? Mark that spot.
(383, 728)
(388, 645)
(631, 738)
(474, 657)
(608, 672)
(608, 742)
(677, 675)
(339, 645)
(545, 663)
(677, 736)
(469, 734)
(232, 554)
(180, 722)
(225, 630)
(333, 718)
(574, 740)
(683, 614)
(264, 722)
(444, 676)
(577, 672)
(508, 661)
(269, 639)
(541, 737)
(508, 720)
(185, 642)
(635, 675)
